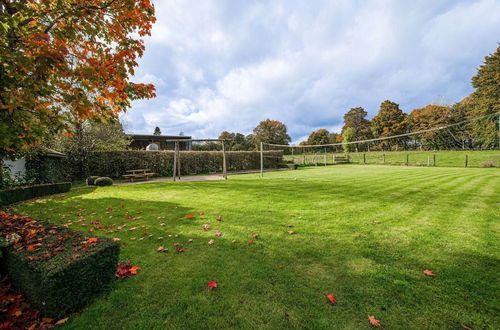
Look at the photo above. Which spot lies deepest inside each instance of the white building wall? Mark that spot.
(16, 167)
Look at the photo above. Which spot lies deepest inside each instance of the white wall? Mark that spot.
(16, 167)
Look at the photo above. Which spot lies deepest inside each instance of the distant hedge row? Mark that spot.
(115, 163)
(17, 194)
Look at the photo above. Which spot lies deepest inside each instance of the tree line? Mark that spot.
(391, 120)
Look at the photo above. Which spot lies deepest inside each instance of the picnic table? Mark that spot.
(138, 174)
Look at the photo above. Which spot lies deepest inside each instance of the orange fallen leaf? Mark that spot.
(255, 235)
(180, 250)
(201, 213)
(134, 269)
(189, 216)
(251, 241)
(374, 322)
(428, 273)
(331, 298)
(211, 242)
(62, 321)
(161, 249)
(291, 232)
(47, 320)
(31, 248)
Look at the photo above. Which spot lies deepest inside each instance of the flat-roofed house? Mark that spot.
(141, 141)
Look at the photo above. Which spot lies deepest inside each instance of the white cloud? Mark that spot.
(226, 65)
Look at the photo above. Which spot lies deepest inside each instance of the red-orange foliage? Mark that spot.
(67, 60)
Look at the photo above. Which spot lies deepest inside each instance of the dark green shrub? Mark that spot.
(46, 169)
(74, 272)
(103, 181)
(91, 180)
(17, 194)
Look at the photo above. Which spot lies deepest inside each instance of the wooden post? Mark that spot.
(304, 155)
(466, 160)
(293, 158)
(434, 160)
(325, 156)
(224, 173)
(383, 157)
(175, 161)
(407, 156)
(364, 158)
(178, 161)
(261, 160)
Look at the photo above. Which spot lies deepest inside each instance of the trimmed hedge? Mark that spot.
(17, 194)
(115, 163)
(91, 180)
(66, 271)
(104, 181)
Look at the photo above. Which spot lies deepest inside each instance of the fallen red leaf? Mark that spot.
(374, 322)
(251, 241)
(180, 250)
(331, 298)
(126, 270)
(428, 273)
(212, 285)
(47, 320)
(189, 216)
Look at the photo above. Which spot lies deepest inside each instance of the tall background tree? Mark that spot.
(321, 136)
(432, 116)
(64, 61)
(355, 118)
(157, 131)
(485, 100)
(86, 137)
(348, 136)
(270, 131)
(390, 120)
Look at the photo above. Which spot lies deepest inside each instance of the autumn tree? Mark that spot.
(389, 121)
(64, 61)
(157, 131)
(270, 131)
(355, 118)
(485, 100)
(321, 136)
(432, 116)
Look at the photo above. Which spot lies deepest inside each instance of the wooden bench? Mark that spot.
(138, 174)
(340, 159)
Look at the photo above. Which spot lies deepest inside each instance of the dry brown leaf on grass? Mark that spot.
(374, 322)
(428, 272)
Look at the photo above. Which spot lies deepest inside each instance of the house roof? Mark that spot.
(53, 153)
(158, 137)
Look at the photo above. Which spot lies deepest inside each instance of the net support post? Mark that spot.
(261, 159)
(175, 161)
(224, 170)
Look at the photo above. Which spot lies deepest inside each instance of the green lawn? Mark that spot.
(442, 219)
(444, 158)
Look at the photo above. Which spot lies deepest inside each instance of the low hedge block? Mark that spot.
(91, 180)
(66, 271)
(17, 194)
(104, 181)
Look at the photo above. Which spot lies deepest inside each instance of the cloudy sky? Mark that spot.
(227, 64)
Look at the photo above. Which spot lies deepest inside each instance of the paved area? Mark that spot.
(193, 178)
